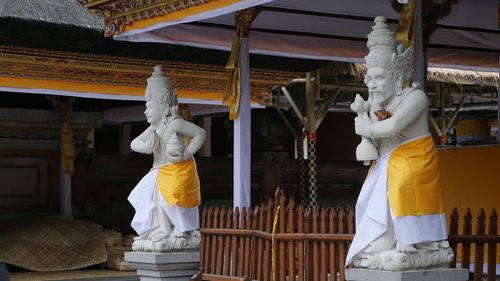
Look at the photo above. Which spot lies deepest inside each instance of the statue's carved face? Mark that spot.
(380, 83)
(153, 112)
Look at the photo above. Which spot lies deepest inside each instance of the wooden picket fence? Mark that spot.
(461, 243)
(275, 240)
(281, 241)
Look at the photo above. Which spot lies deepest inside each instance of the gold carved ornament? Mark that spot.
(63, 108)
(406, 28)
(118, 14)
(232, 96)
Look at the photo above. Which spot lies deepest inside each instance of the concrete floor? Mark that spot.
(80, 275)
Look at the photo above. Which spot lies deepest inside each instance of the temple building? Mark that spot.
(72, 99)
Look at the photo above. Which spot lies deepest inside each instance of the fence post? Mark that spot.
(323, 257)
(268, 228)
(208, 241)
(260, 246)
(291, 211)
(227, 255)
(281, 244)
(492, 246)
(351, 225)
(479, 254)
(202, 242)
(454, 231)
(333, 255)
(234, 242)
(300, 242)
(342, 245)
(467, 230)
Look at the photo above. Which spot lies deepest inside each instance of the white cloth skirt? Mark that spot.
(142, 199)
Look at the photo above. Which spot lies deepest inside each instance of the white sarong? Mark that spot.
(372, 207)
(141, 198)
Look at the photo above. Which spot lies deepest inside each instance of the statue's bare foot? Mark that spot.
(178, 234)
(443, 244)
(137, 245)
(406, 249)
(429, 246)
(143, 246)
(164, 246)
(143, 236)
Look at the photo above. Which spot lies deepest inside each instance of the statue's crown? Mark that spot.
(381, 38)
(159, 88)
(385, 52)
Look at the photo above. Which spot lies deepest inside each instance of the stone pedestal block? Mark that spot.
(440, 274)
(175, 266)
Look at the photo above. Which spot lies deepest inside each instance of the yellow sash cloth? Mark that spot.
(413, 179)
(179, 184)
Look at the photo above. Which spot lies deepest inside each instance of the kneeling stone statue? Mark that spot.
(400, 221)
(166, 199)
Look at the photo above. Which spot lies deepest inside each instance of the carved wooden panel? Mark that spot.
(23, 181)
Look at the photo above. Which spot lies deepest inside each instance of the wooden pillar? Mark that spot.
(419, 55)
(311, 138)
(242, 122)
(124, 139)
(242, 136)
(65, 187)
(498, 105)
(206, 149)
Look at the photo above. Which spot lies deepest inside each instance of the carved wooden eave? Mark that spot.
(120, 13)
(100, 70)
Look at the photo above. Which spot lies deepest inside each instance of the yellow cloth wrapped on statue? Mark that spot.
(414, 192)
(413, 179)
(179, 184)
(405, 181)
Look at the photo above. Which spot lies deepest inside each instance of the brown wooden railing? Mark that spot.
(461, 242)
(279, 240)
(275, 240)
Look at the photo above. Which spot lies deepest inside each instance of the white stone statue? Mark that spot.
(166, 199)
(400, 223)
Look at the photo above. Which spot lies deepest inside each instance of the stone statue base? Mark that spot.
(398, 261)
(177, 244)
(440, 274)
(174, 266)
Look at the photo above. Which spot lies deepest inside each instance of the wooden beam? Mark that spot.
(294, 107)
(326, 106)
(434, 124)
(287, 123)
(310, 93)
(455, 114)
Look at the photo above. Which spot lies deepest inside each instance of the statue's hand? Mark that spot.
(175, 156)
(360, 105)
(363, 126)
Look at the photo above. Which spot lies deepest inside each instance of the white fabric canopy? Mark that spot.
(336, 30)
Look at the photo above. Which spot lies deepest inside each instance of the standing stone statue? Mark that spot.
(166, 199)
(400, 224)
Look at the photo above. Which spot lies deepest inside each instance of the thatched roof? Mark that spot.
(446, 75)
(68, 12)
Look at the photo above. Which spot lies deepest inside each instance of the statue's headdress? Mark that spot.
(159, 89)
(385, 52)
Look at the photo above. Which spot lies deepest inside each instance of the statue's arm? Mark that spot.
(185, 128)
(145, 142)
(410, 109)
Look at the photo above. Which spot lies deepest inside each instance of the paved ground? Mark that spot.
(119, 278)
(80, 275)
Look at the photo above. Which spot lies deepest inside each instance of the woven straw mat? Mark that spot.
(52, 244)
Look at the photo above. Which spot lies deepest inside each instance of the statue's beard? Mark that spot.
(377, 97)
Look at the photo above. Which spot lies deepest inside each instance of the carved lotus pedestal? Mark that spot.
(439, 274)
(392, 265)
(173, 266)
